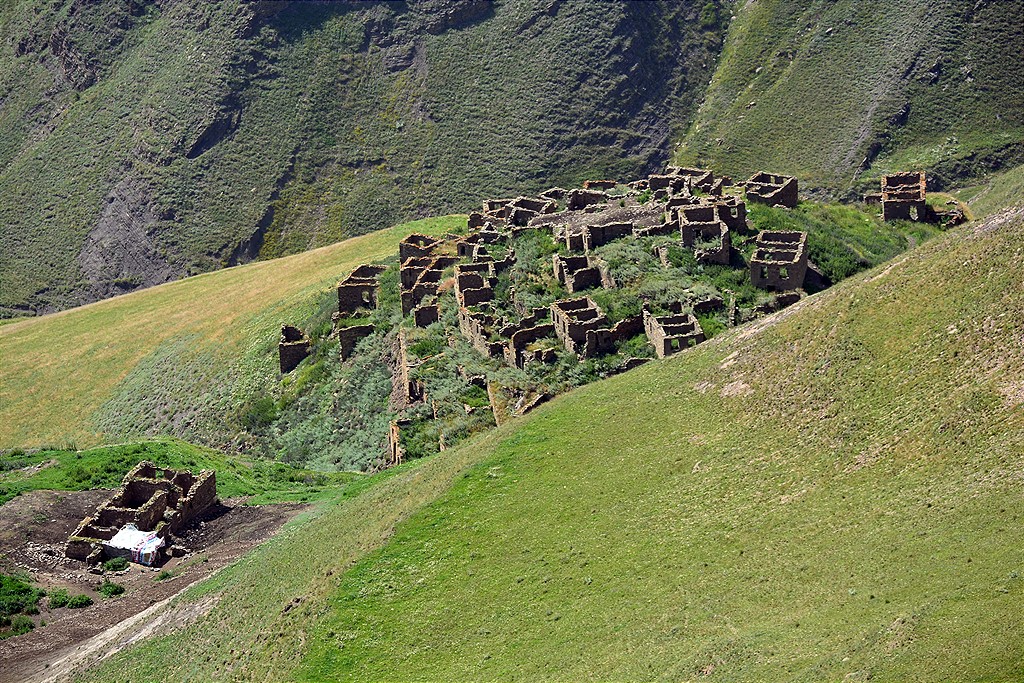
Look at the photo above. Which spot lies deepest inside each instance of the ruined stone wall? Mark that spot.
(349, 336)
(772, 189)
(202, 495)
(904, 197)
(426, 315)
(292, 349)
(580, 199)
(476, 329)
(709, 240)
(669, 334)
(572, 319)
(515, 349)
(576, 273)
(779, 261)
(597, 235)
(415, 246)
(472, 288)
(603, 340)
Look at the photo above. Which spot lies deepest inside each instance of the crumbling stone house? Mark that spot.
(359, 289)
(672, 333)
(522, 347)
(701, 229)
(695, 179)
(779, 261)
(772, 189)
(522, 210)
(151, 498)
(584, 330)
(903, 197)
(576, 199)
(576, 273)
(478, 329)
(292, 349)
(415, 246)
(595, 236)
(473, 284)
(349, 336)
(426, 314)
(573, 318)
(420, 277)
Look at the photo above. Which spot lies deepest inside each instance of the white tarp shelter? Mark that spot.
(144, 546)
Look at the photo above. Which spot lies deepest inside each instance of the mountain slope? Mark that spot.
(832, 492)
(829, 91)
(170, 359)
(144, 141)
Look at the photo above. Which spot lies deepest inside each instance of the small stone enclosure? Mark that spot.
(153, 499)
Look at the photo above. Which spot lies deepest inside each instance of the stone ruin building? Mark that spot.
(584, 330)
(292, 349)
(160, 503)
(359, 289)
(672, 333)
(772, 189)
(576, 273)
(904, 197)
(779, 261)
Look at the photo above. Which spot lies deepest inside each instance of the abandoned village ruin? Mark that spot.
(472, 276)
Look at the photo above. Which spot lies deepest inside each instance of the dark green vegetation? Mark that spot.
(144, 141)
(18, 600)
(61, 598)
(105, 467)
(838, 93)
(109, 589)
(115, 564)
(833, 492)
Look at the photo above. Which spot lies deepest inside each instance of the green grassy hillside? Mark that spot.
(144, 141)
(838, 93)
(172, 359)
(1001, 190)
(831, 493)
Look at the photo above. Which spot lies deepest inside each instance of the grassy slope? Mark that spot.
(1003, 189)
(143, 359)
(808, 88)
(833, 491)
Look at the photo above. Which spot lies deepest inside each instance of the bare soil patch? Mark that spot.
(33, 529)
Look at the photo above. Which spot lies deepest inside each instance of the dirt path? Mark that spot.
(33, 528)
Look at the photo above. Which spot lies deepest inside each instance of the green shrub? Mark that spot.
(79, 601)
(109, 589)
(59, 598)
(258, 414)
(428, 346)
(115, 564)
(19, 625)
(165, 574)
(17, 596)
